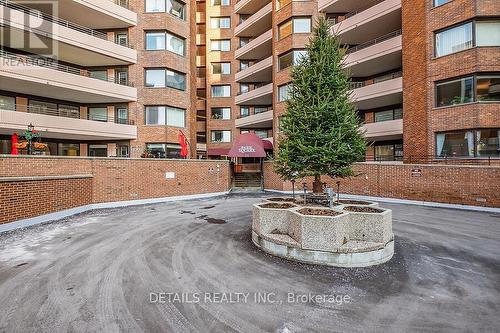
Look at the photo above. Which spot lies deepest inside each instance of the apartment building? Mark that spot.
(125, 78)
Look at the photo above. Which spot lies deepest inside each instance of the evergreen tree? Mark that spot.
(320, 129)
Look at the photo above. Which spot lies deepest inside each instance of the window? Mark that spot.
(285, 29)
(389, 115)
(244, 64)
(455, 92)
(220, 22)
(261, 133)
(165, 115)
(68, 149)
(98, 113)
(221, 68)
(221, 113)
(164, 150)
(454, 40)
(468, 143)
(488, 142)
(100, 74)
(282, 3)
(122, 151)
(161, 78)
(7, 103)
(172, 7)
(164, 41)
(121, 38)
(488, 33)
(221, 91)
(98, 150)
(290, 58)
(121, 116)
(389, 152)
(488, 88)
(244, 41)
(220, 136)
(244, 111)
(260, 109)
(440, 2)
(221, 2)
(220, 45)
(244, 87)
(284, 92)
(302, 25)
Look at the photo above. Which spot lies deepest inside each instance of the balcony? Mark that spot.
(258, 48)
(260, 96)
(256, 24)
(368, 24)
(380, 55)
(71, 42)
(249, 6)
(43, 77)
(259, 120)
(378, 94)
(344, 6)
(99, 14)
(384, 130)
(51, 125)
(258, 72)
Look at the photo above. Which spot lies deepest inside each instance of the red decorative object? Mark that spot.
(14, 150)
(183, 144)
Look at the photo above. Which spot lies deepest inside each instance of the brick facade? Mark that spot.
(110, 179)
(455, 184)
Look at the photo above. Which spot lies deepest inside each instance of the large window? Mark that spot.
(462, 37)
(290, 58)
(161, 78)
(221, 68)
(294, 25)
(164, 150)
(220, 2)
(221, 113)
(479, 88)
(7, 103)
(173, 7)
(455, 92)
(284, 92)
(98, 113)
(164, 41)
(389, 152)
(440, 2)
(220, 45)
(244, 111)
(470, 143)
(165, 115)
(220, 22)
(386, 115)
(221, 91)
(220, 136)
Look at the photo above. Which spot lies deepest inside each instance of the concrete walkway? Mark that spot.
(103, 271)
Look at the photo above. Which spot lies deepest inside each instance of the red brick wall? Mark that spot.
(467, 185)
(111, 179)
(24, 199)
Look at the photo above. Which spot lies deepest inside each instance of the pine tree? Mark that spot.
(320, 129)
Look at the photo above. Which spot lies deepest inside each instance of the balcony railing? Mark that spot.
(28, 60)
(356, 85)
(57, 20)
(374, 41)
(66, 113)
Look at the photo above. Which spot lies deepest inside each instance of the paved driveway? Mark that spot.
(119, 270)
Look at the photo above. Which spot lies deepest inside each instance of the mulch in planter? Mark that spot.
(277, 205)
(318, 212)
(354, 202)
(358, 209)
(282, 199)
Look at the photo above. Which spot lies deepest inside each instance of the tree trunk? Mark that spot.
(317, 185)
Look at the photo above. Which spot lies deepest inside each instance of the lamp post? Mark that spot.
(29, 135)
(293, 188)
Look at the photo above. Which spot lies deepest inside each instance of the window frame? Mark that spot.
(165, 71)
(219, 85)
(166, 9)
(166, 108)
(165, 33)
(212, 132)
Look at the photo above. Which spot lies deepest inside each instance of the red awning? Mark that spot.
(248, 145)
(268, 145)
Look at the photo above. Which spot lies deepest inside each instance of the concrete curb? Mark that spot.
(115, 204)
(349, 260)
(407, 202)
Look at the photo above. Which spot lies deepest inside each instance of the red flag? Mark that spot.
(183, 144)
(13, 150)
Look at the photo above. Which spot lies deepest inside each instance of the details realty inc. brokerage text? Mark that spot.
(246, 297)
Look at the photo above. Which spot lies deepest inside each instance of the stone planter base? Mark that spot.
(286, 249)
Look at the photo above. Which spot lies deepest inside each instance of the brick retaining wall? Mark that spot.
(457, 184)
(107, 180)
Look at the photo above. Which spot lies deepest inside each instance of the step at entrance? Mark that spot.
(247, 179)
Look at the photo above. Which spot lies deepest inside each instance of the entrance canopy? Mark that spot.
(248, 145)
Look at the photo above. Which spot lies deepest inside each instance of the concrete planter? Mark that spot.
(271, 220)
(373, 226)
(352, 202)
